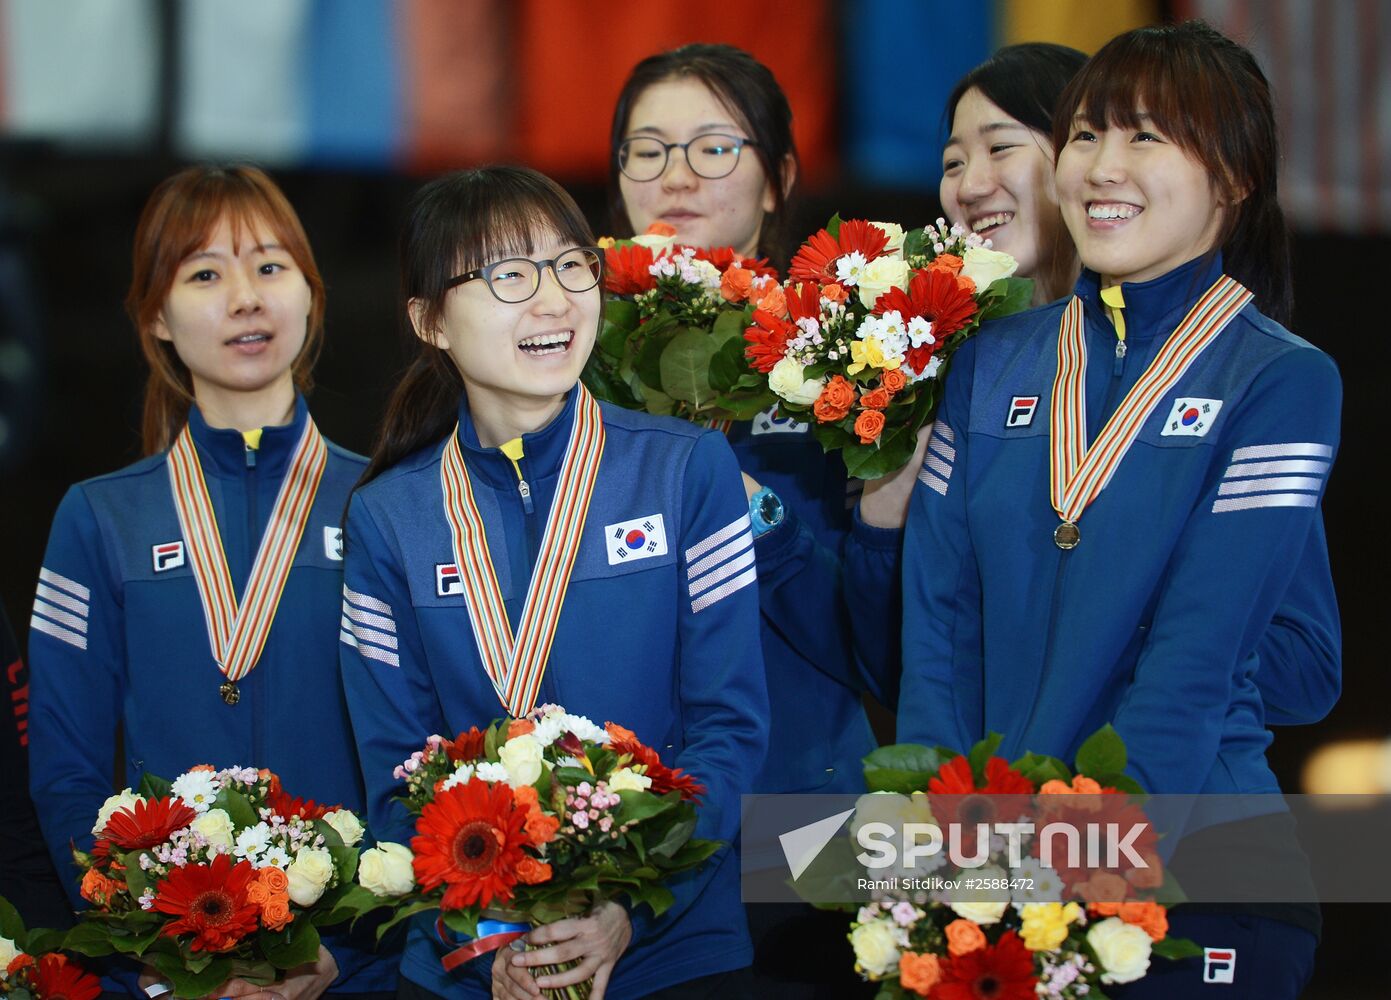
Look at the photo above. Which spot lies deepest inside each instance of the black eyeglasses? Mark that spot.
(517, 279)
(712, 155)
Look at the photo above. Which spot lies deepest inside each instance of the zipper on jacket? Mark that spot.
(513, 450)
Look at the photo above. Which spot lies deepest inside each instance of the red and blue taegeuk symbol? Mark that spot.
(1190, 416)
(634, 539)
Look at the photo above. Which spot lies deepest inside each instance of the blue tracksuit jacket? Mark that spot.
(665, 644)
(117, 639)
(1154, 621)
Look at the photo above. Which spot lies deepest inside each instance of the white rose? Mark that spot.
(984, 912)
(346, 825)
(876, 947)
(879, 275)
(895, 234)
(985, 267)
(655, 242)
(521, 755)
(891, 808)
(625, 779)
(8, 951)
(216, 827)
(1122, 949)
(386, 870)
(125, 799)
(786, 380)
(310, 874)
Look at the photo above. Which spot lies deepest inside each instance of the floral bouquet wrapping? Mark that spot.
(217, 875)
(1010, 925)
(857, 344)
(32, 969)
(671, 338)
(537, 819)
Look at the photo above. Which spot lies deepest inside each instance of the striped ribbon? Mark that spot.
(237, 633)
(1077, 473)
(516, 665)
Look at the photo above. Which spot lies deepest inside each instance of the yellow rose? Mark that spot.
(521, 756)
(124, 799)
(1045, 924)
(310, 874)
(891, 808)
(878, 276)
(876, 948)
(385, 870)
(984, 912)
(985, 267)
(216, 827)
(786, 380)
(655, 242)
(895, 234)
(346, 825)
(869, 353)
(625, 779)
(1122, 949)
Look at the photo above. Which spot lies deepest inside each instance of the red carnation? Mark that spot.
(816, 261)
(148, 823)
(767, 339)
(1004, 971)
(470, 838)
(55, 978)
(627, 269)
(211, 903)
(282, 804)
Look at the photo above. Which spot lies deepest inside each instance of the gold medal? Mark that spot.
(1066, 536)
(231, 694)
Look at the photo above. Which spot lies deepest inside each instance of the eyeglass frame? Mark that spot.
(486, 272)
(685, 148)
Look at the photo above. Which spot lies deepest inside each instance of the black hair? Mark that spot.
(1024, 81)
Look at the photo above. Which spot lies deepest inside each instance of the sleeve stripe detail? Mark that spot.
(724, 572)
(938, 466)
(62, 600)
(367, 618)
(368, 635)
(1281, 450)
(944, 431)
(942, 448)
(1265, 500)
(370, 652)
(932, 482)
(726, 551)
(58, 632)
(1296, 467)
(363, 601)
(724, 590)
(718, 538)
(61, 617)
(1270, 484)
(62, 582)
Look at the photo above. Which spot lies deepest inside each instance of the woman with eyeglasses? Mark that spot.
(490, 427)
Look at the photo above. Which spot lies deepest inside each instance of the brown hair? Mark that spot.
(177, 221)
(454, 224)
(1208, 95)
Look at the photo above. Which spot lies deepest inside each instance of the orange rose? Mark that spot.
(257, 893)
(1083, 785)
(1151, 918)
(770, 298)
(919, 973)
(735, 284)
(965, 284)
(876, 399)
(835, 400)
(964, 936)
(834, 292)
(201, 767)
(1104, 893)
(526, 796)
(532, 872)
(274, 879)
(1055, 786)
(948, 262)
(97, 888)
(1147, 878)
(619, 734)
(894, 380)
(869, 425)
(660, 229)
(519, 727)
(275, 913)
(540, 828)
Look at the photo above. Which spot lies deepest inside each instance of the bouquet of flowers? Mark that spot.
(671, 338)
(941, 930)
(857, 344)
(32, 969)
(536, 819)
(217, 875)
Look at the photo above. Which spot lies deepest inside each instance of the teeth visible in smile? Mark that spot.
(250, 338)
(548, 343)
(1112, 211)
(985, 222)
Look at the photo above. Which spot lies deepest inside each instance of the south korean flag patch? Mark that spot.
(640, 538)
(1191, 417)
(167, 556)
(333, 544)
(768, 422)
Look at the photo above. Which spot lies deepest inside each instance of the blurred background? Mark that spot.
(352, 103)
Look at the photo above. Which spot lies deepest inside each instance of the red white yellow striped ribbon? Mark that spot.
(1078, 474)
(516, 665)
(237, 634)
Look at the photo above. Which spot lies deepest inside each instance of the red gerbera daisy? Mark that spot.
(466, 747)
(664, 779)
(1002, 972)
(55, 978)
(470, 837)
(767, 339)
(935, 296)
(626, 270)
(211, 903)
(723, 257)
(816, 261)
(286, 805)
(804, 301)
(956, 799)
(148, 822)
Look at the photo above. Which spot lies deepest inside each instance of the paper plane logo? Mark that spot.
(801, 846)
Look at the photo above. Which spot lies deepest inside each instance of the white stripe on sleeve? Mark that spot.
(57, 631)
(1281, 451)
(63, 583)
(1264, 500)
(61, 599)
(718, 538)
(724, 590)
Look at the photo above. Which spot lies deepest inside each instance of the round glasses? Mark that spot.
(712, 155)
(517, 279)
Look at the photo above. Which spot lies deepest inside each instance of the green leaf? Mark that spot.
(345, 863)
(658, 403)
(1120, 782)
(1103, 752)
(405, 913)
(914, 243)
(352, 902)
(640, 806)
(152, 786)
(833, 226)
(982, 752)
(11, 923)
(135, 944)
(91, 939)
(190, 985)
(676, 836)
(238, 807)
(727, 366)
(729, 327)
(41, 941)
(657, 897)
(620, 320)
(901, 767)
(1005, 297)
(685, 367)
(137, 880)
(1039, 768)
(297, 944)
(1176, 948)
(648, 362)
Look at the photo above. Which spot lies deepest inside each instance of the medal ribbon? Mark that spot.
(1078, 474)
(515, 665)
(237, 634)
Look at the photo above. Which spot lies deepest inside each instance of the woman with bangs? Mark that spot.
(1116, 553)
(490, 424)
(190, 602)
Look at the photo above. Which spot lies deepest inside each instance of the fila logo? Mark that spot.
(1191, 417)
(1219, 965)
(448, 582)
(640, 538)
(1021, 411)
(168, 555)
(769, 422)
(333, 543)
